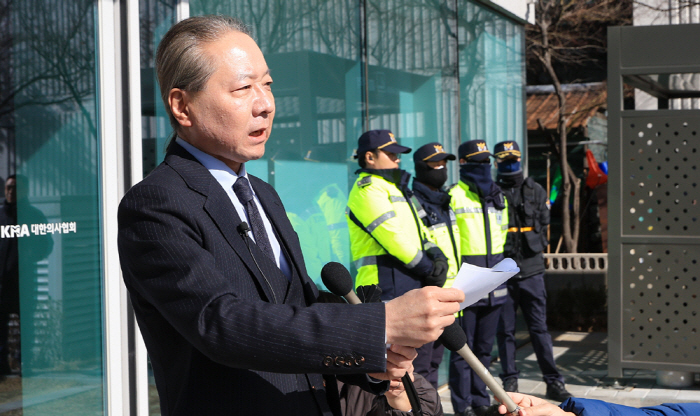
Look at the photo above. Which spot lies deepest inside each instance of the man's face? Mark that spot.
(508, 159)
(231, 119)
(440, 163)
(383, 160)
(11, 190)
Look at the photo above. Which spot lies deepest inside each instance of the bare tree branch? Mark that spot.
(568, 34)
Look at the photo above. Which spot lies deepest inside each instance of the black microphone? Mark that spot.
(455, 340)
(243, 228)
(338, 280)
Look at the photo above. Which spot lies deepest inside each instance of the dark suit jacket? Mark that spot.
(217, 343)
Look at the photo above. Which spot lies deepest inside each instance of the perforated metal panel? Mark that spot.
(659, 246)
(660, 305)
(660, 176)
(653, 211)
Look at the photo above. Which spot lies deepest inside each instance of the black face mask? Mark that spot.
(510, 180)
(433, 177)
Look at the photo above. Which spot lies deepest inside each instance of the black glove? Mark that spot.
(434, 253)
(369, 293)
(439, 274)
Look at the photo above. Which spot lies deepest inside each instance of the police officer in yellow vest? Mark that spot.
(387, 239)
(482, 216)
(430, 162)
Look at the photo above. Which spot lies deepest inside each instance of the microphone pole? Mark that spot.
(338, 280)
(455, 340)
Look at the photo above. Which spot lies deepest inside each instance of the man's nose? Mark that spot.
(264, 102)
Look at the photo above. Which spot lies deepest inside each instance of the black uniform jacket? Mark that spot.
(529, 214)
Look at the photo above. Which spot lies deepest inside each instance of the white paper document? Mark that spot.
(476, 282)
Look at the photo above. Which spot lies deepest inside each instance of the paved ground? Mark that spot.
(583, 359)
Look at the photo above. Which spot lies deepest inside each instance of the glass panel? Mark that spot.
(318, 213)
(491, 76)
(412, 76)
(312, 50)
(50, 299)
(155, 18)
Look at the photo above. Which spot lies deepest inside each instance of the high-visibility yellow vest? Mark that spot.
(474, 236)
(388, 216)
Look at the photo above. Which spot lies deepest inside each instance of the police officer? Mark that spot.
(387, 239)
(527, 238)
(430, 163)
(482, 216)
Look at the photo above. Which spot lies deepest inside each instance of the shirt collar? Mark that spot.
(221, 172)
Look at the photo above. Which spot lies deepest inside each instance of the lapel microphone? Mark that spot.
(243, 229)
(337, 279)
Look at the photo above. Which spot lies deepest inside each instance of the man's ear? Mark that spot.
(178, 100)
(369, 158)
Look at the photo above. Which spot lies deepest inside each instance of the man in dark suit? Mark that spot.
(215, 271)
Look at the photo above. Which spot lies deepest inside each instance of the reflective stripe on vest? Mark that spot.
(416, 260)
(469, 210)
(522, 229)
(498, 293)
(365, 261)
(376, 223)
(429, 245)
(373, 260)
(437, 226)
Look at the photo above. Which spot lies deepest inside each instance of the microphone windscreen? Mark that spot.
(337, 278)
(243, 227)
(453, 337)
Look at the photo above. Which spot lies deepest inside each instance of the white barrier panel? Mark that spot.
(576, 263)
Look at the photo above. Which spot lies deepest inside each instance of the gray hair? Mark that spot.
(181, 61)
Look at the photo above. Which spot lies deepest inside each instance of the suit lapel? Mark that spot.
(217, 205)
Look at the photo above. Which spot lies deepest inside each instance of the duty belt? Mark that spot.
(522, 230)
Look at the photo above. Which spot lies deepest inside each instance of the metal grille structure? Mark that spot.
(659, 294)
(660, 174)
(654, 232)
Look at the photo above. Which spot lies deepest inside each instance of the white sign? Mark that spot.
(23, 230)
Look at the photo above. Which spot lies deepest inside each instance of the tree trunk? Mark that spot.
(569, 180)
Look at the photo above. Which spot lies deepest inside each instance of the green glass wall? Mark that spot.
(491, 76)
(155, 18)
(412, 81)
(50, 294)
